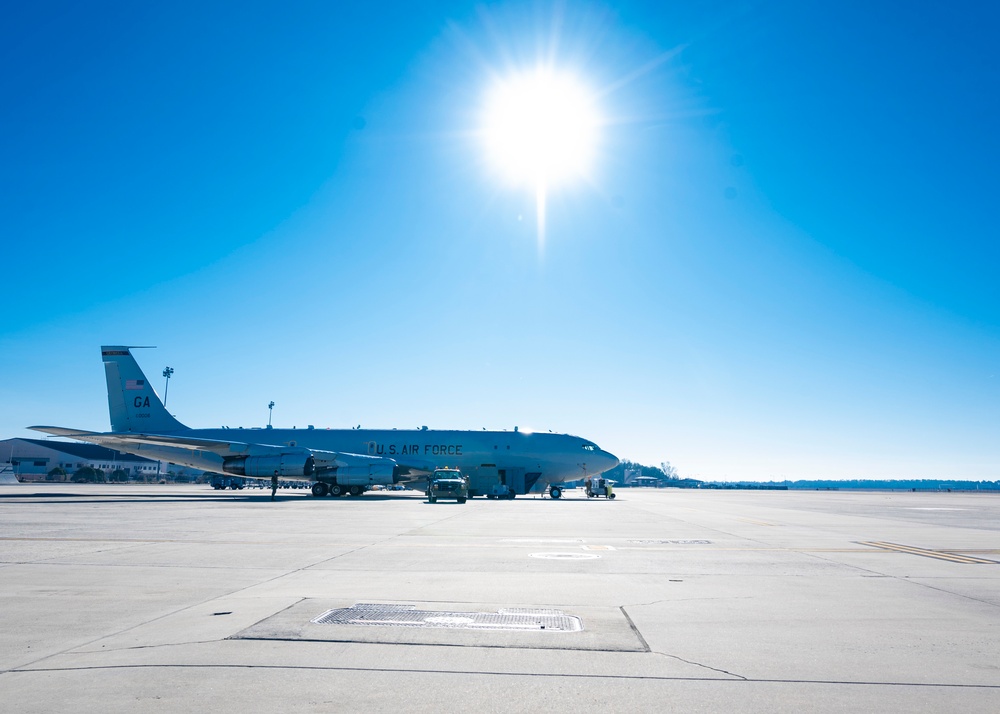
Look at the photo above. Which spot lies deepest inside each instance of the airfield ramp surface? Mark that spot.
(180, 598)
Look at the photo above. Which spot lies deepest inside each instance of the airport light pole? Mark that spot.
(270, 407)
(167, 371)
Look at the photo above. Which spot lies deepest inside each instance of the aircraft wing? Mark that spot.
(222, 448)
(325, 460)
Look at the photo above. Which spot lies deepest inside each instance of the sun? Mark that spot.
(540, 128)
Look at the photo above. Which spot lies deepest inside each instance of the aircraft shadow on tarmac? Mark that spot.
(227, 497)
(252, 497)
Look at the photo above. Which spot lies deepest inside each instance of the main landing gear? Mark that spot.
(320, 489)
(555, 492)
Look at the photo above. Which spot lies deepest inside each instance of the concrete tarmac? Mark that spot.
(180, 598)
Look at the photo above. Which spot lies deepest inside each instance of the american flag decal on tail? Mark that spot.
(135, 384)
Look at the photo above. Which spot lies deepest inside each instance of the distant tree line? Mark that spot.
(926, 484)
(664, 472)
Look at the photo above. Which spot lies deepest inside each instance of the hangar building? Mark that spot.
(32, 459)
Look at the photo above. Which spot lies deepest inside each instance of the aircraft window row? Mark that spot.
(589, 447)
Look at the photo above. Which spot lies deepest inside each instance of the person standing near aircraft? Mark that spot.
(274, 485)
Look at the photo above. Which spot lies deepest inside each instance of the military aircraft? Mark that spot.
(336, 461)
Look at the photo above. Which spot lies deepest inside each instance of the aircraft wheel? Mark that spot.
(510, 495)
(356, 490)
(319, 489)
(555, 492)
(336, 490)
(461, 500)
(612, 497)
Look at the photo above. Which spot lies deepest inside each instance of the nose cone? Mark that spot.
(606, 461)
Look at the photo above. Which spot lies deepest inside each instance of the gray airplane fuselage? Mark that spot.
(542, 458)
(359, 458)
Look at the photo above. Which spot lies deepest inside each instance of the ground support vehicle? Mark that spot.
(597, 487)
(447, 483)
(499, 490)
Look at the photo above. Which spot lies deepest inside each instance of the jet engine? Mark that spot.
(286, 465)
(367, 474)
(355, 469)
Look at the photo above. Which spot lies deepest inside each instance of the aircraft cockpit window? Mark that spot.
(589, 447)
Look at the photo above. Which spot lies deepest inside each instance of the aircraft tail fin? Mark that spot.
(133, 403)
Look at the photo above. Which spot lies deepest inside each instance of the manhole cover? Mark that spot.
(409, 616)
(565, 556)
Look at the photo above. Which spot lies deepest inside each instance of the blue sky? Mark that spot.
(781, 265)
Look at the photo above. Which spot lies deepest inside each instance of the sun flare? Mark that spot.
(540, 128)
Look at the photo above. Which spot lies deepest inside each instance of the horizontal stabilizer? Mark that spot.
(93, 437)
(63, 431)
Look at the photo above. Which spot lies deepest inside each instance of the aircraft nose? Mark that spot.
(609, 460)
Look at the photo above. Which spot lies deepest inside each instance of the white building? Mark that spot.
(33, 459)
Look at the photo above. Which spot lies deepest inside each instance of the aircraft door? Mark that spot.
(483, 478)
(513, 478)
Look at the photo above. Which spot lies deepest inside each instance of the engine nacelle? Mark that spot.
(355, 469)
(286, 465)
(366, 475)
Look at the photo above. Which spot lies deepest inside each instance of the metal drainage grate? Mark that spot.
(515, 618)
